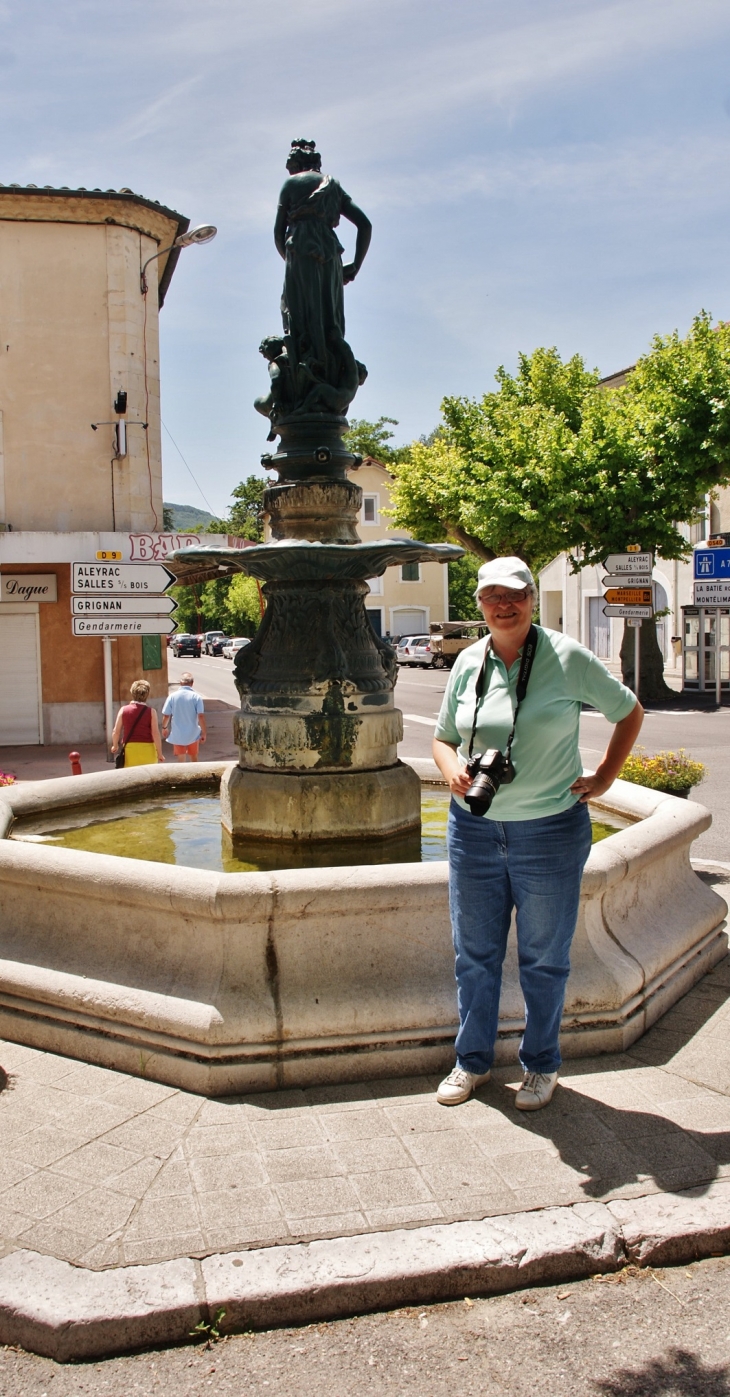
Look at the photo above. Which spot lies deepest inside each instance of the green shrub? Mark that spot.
(665, 771)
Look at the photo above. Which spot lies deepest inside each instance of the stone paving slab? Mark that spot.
(70, 1313)
(104, 1170)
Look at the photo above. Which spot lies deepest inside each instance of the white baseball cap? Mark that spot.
(504, 572)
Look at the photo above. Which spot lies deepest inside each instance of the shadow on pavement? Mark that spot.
(680, 1374)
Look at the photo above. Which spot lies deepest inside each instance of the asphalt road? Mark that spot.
(418, 694)
(660, 1333)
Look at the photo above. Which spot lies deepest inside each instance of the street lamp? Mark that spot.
(204, 233)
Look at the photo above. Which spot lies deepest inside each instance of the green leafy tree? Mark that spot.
(551, 462)
(242, 606)
(245, 517)
(374, 438)
(462, 585)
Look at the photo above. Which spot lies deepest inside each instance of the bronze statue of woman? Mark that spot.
(312, 305)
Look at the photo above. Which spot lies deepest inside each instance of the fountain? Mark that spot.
(229, 982)
(317, 732)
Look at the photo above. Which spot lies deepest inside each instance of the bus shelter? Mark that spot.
(706, 649)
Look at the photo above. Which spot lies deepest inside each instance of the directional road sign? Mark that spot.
(629, 562)
(123, 606)
(122, 579)
(631, 579)
(629, 596)
(712, 593)
(123, 625)
(712, 563)
(640, 613)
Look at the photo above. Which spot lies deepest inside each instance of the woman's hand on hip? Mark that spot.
(590, 787)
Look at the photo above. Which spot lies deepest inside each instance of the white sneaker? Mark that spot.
(459, 1085)
(536, 1090)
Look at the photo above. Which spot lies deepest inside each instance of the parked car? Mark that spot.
(185, 645)
(231, 649)
(414, 650)
(213, 642)
(449, 638)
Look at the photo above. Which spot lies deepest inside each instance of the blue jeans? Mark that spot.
(535, 866)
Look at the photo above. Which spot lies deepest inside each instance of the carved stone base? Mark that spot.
(328, 736)
(262, 805)
(324, 511)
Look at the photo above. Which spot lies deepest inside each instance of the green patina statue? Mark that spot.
(312, 367)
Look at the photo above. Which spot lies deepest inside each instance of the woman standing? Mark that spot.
(520, 841)
(138, 728)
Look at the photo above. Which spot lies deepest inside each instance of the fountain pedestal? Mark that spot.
(318, 730)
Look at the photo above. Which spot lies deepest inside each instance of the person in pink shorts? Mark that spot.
(183, 720)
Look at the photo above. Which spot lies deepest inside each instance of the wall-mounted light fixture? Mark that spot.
(204, 233)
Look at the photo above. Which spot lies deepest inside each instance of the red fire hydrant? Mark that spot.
(75, 760)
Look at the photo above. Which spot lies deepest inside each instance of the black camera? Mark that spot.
(488, 771)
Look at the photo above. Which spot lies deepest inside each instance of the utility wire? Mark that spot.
(182, 458)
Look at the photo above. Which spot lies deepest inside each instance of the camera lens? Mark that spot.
(481, 793)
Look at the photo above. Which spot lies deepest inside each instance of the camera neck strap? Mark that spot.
(526, 663)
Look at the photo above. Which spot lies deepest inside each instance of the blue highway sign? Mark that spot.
(712, 563)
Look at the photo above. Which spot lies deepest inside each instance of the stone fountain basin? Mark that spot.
(229, 983)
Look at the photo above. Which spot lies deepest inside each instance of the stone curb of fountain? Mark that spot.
(68, 1313)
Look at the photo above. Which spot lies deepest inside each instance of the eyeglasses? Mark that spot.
(499, 598)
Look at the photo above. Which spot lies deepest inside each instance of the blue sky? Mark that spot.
(537, 172)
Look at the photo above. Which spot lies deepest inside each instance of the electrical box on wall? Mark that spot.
(151, 652)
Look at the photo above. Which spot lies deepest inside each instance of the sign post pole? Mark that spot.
(718, 658)
(637, 659)
(108, 701)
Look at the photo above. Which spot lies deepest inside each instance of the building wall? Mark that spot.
(73, 332)
(566, 597)
(390, 594)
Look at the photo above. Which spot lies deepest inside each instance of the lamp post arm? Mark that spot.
(142, 278)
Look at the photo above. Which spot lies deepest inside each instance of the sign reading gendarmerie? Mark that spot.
(122, 606)
(123, 625)
(122, 579)
(28, 586)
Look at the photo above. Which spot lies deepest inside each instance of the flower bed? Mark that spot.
(674, 772)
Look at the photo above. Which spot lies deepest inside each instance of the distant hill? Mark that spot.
(187, 517)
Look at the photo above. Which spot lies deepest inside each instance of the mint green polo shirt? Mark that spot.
(545, 750)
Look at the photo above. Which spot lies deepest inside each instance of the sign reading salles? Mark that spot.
(122, 578)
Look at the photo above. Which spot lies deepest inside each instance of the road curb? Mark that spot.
(69, 1313)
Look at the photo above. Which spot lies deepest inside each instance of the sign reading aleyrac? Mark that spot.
(629, 562)
(123, 625)
(124, 579)
(122, 606)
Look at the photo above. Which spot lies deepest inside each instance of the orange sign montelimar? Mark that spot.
(629, 596)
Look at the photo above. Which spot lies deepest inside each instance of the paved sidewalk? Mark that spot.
(104, 1170)
(33, 763)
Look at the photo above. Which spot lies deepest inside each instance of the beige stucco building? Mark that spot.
(406, 599)
(573, 601)
(76, 332)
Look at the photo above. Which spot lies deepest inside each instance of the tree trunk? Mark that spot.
(651, 663)
(468, 541)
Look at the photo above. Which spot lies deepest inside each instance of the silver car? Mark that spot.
(414, 650)
(232, 647)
